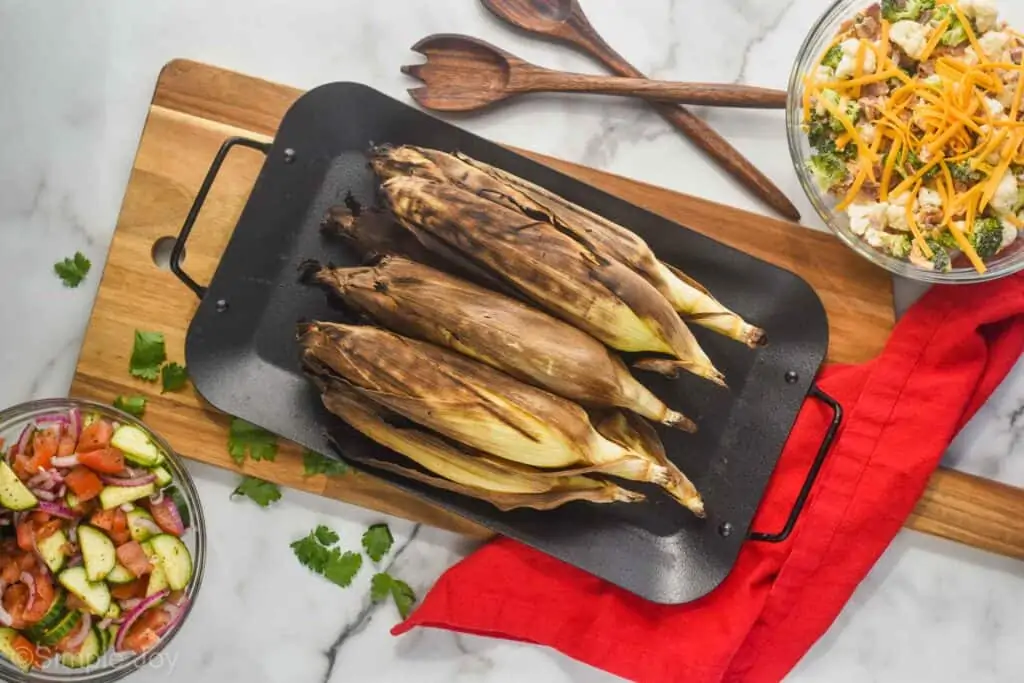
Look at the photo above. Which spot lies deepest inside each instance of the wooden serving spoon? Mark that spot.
(565, 21)
(463, 74)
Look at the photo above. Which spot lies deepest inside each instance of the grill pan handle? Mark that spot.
(197, 205)
(812, 474)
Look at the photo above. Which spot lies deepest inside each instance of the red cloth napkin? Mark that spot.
(944, 358)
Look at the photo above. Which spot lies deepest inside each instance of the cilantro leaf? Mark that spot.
(148, 354)
(248, 438)
(73, 270)
(263, 493)
(325, 536)
(383, 584)
(133, 405)
(311, 553)
(377, 541)
(173, 377)
(314, 463)
(342, 568)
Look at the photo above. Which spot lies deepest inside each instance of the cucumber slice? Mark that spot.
(157, 581)
(178, 498)
(50, 619)
(22, 660)
(175, 560)
(136, 446)
(71, 499)
(13, 494)
(86, 655)
(163, 477)
(95, 595)
(89, 419)
(114, 612)
(98, 552)
(120, 574)
(61, 630)
(52, 550)
(141, 525)
(116, 496)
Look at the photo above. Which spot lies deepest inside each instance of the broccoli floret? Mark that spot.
(940, 257)
(1019, 204)
(955, 33)
(898, 245)
(819, 135)
(899, 10)
(946, 239)
(828, 169)
(833, 57)
(987, 237)
(962, 172)
(915, 164)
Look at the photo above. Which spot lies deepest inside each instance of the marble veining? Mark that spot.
(77, 80)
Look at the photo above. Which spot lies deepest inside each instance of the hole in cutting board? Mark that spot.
(161, 252)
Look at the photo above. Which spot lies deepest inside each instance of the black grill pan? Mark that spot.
(243, 357)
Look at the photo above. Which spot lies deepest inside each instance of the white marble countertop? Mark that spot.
(77, 78)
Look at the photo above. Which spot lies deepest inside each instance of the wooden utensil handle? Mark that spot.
(584, 36)
(708, 94)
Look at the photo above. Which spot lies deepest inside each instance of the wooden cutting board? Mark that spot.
(196, 106)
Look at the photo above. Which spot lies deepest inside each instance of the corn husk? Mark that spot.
(467, 401)
(422, 302)
(601, 297)
(639, 436)
(597, 233)
(457, 468)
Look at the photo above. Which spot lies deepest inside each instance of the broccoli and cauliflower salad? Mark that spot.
(914, 113)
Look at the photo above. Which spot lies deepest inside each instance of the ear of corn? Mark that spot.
(467, 401)
(640, 437)
(602, 297)
(504, 484)
(427, 304)
(611, 241)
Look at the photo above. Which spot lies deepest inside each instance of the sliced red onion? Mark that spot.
(75, 561)
(25, 438)
(157, 497)
(73, 534)
(42, 494)
(65, 460)
(149, 525)
(128, 604)
(29, 581)
(74, 423)
(172, 515)
(61, 491)
(103, 625)
(74, 644)
(56, 509)
(52, 418)
(135, 472)
(4, 521)
(18, 516)
(5, 618)
(127, 481)
(37, 480)
(176, 612)
(127, 507)
(133, 616)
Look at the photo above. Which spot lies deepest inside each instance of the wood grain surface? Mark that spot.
(195, 107)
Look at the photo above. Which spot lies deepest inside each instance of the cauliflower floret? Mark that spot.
(864, 217)
(896, 213)
(1006, 97)
(970, 57)
(867, 131)
(874, 238)
(984, 12)
(995, 107)
(994, 43)
(824, 74)
(911, 36)
(934, 81)
(1009, 235)
(1005, 198)
(848, 64)
(929, 199)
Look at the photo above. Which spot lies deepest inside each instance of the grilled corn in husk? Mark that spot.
(600, 296)
(421, 302)
(458, 468)
(603, 237)
(639, 436)
(468, 401)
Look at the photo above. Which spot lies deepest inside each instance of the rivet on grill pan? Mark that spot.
(725, 529)
(222, 305)
(289, 155)
(791, 377)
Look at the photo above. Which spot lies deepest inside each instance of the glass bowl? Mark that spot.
(1007, 262)
(112, 666)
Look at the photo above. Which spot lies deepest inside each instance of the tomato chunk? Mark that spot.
(66, 446)
(44, 595)
(14, 601)
(44, 447)
(84, 483)
(127, 591)
(133, 557)
(26, 650)
(26, 533)
(105, 460)
(166, 517)
(115, 523)
(143, 633)
(95, 436)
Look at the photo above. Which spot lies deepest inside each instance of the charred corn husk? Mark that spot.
(421, 302)
(602, 236)
(467, 401)
(602, 297)
(640, 437)
(457, 468)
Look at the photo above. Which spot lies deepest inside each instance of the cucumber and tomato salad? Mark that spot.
(91, 556)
